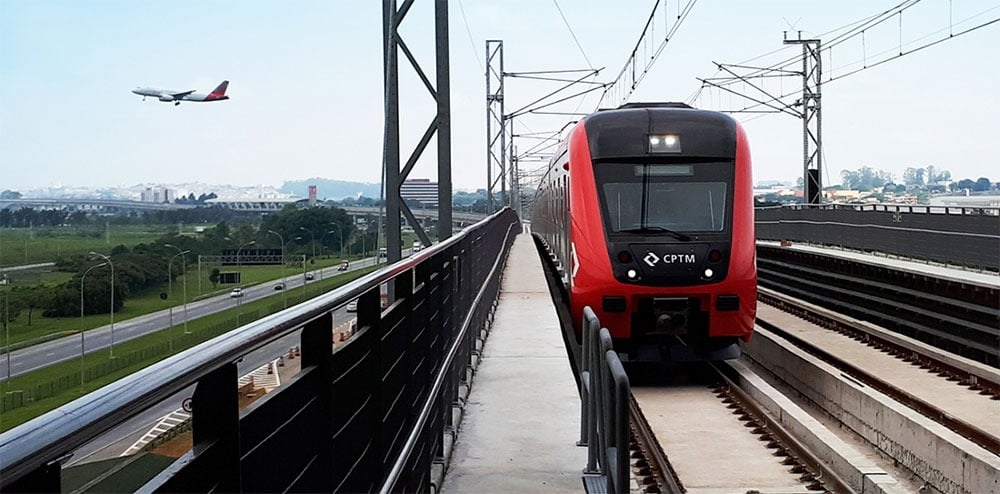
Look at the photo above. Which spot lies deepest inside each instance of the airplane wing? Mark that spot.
(182, 94)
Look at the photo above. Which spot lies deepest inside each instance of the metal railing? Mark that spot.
(367, 415)
(604, 414)
(952, 235)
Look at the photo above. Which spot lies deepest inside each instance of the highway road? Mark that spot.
(99, 339)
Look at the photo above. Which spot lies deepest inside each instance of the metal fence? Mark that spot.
(604, 411)
(952, 235)
(369, 415)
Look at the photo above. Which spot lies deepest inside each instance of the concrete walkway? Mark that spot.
(522, 419)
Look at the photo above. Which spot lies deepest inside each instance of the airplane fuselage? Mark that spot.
(168, 95)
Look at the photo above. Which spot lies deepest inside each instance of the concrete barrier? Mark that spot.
(942, 458)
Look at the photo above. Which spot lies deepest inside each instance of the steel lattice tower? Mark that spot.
(812, 123)
(496, 125)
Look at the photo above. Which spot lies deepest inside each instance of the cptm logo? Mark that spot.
(652, 259)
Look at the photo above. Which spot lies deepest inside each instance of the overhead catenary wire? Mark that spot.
(632, 78)
(468, 31)
(858, 30)
(573, 34)
(866, 61)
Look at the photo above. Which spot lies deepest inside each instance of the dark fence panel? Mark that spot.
(367, 415)
(964, 236)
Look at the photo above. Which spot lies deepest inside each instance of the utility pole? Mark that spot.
(812, 123)
(496, 132)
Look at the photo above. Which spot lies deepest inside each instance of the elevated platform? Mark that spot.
(522, 418)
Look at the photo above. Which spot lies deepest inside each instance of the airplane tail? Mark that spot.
(219, 92)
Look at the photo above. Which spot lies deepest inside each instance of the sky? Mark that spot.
(306, 84)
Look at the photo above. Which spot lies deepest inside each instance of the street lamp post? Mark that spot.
(108, 260)
(340, 238)
(312, 237)
(239, 300)
(339, 253)
(364, 243)
(305, 282)
(184, 282)
(82, 331)
(284, 283)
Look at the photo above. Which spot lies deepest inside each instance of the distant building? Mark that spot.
(312, 195)
(157, 194)
(842, 195)
(420, 189)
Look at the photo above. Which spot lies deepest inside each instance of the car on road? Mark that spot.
(236, 293)
(352, 306)
(279, 286)
(343, 266)
(310, 276)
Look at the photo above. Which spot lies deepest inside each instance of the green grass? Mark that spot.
(20, 246)
(63, 379)
(148, 301)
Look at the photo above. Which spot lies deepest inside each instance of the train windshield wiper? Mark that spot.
(657, 229)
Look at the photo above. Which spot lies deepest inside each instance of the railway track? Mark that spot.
(954, 315)
(975, 379)
(821, 414)
(934, 414)
(743, 449)
(885, 409)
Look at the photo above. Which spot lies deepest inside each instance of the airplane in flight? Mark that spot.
(167, 95)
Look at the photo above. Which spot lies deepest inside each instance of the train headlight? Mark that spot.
(631, 274)
(668, 143)
(709, 273)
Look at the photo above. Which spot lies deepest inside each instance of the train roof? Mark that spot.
(658, 104)
(625, 132)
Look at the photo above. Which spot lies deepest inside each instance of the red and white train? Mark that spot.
(648, 210)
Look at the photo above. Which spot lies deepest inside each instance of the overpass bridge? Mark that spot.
(91, 205)
(259, 206)
(381, 410)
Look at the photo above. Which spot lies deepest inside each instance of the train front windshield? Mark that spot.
(649, 197)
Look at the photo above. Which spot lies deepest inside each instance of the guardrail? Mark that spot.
(604, 414)
(894, 208)
(952, 235)
(368, 415)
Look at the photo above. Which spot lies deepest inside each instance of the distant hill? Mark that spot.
(330, 189)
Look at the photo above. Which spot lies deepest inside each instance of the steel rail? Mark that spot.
(665, 475)
(829, 478)
(975, 434)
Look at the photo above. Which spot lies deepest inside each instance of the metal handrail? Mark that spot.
(44, 441)
(605, 405)
(443, 371)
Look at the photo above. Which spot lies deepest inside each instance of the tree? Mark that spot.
(33, 297)
(982, 185)
(10, 194)
(9, 308)
(214, 277)
(865, 179)
(914, 177)
(965, 183)
(934, 175)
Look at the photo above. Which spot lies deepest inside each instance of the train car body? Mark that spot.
(647, 211)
